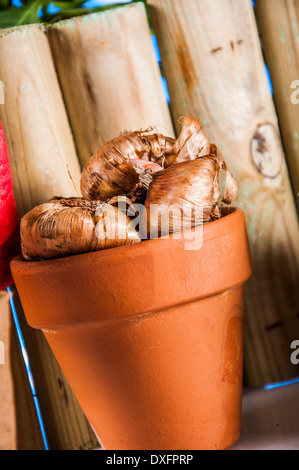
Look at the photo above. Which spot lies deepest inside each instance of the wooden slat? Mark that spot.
(109, 76)
(8, 431)
(212, 60)
(42, 156)
(40, 145)
(19, 428)
(270, 419)
(66, 425)
(278, 22)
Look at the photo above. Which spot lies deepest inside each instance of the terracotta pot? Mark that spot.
(149, 336)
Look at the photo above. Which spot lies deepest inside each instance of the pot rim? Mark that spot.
(210, 230)
(134, 280)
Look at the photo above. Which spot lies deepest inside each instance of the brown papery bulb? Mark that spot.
(64, 227)
(145, 170)
(183, 196)
(108, 172)
(230, 187)
(192, 141)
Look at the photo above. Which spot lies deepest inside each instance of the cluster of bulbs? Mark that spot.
(143, 168)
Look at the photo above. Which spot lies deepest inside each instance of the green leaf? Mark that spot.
(4, 4)
(67, 13)
(13, 16)
(67, 5)
(30, 14)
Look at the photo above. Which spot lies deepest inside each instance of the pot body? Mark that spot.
(149, 336)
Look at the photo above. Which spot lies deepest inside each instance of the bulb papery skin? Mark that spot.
(192, 142)
(141, 165)
(183, 196)
(65, 227)
(139, 179)
(108, 173)
(113, 171)
(231, 186)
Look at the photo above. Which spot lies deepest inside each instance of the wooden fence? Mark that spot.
(82, 81)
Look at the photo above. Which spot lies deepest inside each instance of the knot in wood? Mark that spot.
(267, 151)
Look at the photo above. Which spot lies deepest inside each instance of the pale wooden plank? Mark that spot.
(19, 428)
(212, 60)
(109, 76)
(66, 425)
(270, 419)
(40, 144)
(44, 163)
(278, 22)
(8, 430)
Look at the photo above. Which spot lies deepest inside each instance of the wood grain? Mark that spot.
(212, 60)
(8, 432)
(270, 419)
(19, 428)
(40, 144)
(109, 76)
(66, 425)
(44, 163)
(278, 22)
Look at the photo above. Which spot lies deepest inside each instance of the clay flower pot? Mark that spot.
(149, 336)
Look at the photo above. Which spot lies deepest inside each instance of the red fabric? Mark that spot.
(9, 219)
